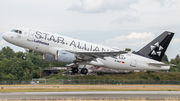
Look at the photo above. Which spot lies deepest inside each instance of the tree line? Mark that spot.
(12, 67)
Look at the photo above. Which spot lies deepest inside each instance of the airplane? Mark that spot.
(58, 48)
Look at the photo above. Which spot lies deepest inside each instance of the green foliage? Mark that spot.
(128, 49)
(87, 77)
(14, 68)
(59, 76)
(175, 61)
(145, 76)
(10, 77)
(157, 78)
(8, 52)
(2, 56)
(133, 76)
(100, 73)
(165, 59)
(19, 54)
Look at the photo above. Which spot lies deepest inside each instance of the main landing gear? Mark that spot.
(84, 71)
(76, 70)
(24, 57)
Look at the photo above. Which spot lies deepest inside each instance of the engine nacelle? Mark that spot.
(64, 56)
(49, 58)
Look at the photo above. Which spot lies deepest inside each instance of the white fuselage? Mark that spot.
(49, 43)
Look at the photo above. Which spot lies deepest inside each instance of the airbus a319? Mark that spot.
(58, 48)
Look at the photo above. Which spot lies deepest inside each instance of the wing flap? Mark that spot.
(94, 55)
(160, 64)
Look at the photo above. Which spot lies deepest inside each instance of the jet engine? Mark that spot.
(49, 58)
(64, 56)
(61, 56)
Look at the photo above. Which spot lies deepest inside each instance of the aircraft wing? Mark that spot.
(94, 55)
(159, 64)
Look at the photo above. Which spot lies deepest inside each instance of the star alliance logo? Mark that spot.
(153, 47)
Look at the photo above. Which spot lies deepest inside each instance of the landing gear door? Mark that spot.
(133, 61)
(31, 35)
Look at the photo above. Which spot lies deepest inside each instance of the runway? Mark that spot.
(94, 95)
(71, 86)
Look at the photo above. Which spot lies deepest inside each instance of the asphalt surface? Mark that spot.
(94, 95)
(41, 86)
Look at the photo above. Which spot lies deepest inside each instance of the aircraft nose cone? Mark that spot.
(5, 36)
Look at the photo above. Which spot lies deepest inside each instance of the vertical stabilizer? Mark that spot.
(156, 48)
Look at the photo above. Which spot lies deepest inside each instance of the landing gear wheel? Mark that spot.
(84, 71)
(75, 70)
(24, 57)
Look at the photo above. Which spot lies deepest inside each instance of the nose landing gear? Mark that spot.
(24, 57)
(27, 51)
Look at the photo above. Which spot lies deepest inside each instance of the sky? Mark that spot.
(114, 23)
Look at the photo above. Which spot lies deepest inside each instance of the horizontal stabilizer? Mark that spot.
(160, 64)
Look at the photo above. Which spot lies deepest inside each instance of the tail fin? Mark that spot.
(156, 48)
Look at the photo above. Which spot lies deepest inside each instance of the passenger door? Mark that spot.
(31, 35)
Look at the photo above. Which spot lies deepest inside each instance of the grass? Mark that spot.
(65, 88)
(132, 76)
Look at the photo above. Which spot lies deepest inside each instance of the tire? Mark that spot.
(84, 71)
(24, 57)
(75, 70)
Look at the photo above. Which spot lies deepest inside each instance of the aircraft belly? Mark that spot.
(31, 45)
(116, 63)
(125, 64)
(44, 49)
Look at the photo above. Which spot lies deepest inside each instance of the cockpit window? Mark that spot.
(14, 30)
(17, 31)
